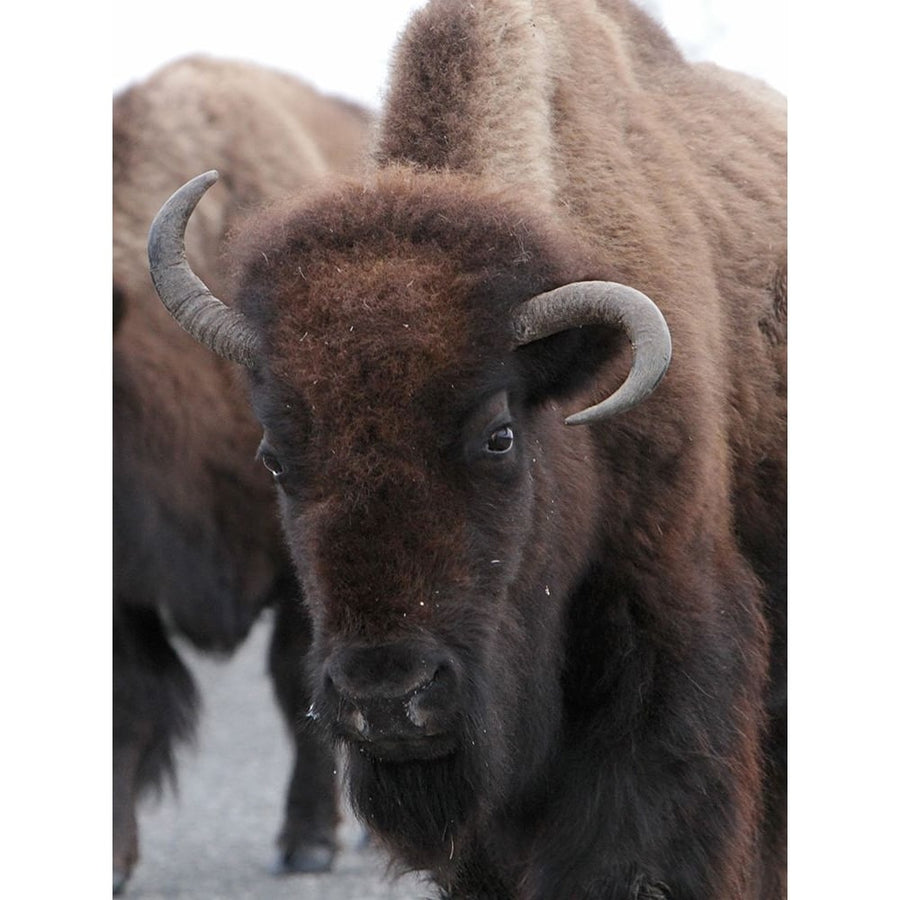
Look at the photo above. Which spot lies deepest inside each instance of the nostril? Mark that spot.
(357, 721)
(430, 707)
(415, 712)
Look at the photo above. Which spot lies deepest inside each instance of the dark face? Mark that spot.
(431, 499)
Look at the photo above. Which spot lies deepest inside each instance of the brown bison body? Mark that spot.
(553, 654)
(196, 541)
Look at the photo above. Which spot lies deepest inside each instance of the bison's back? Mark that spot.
(268, 134)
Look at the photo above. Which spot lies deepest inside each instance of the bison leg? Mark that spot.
(126, 763)
(307, 842)
(154, 705)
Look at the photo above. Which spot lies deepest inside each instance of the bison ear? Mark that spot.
(561, 365)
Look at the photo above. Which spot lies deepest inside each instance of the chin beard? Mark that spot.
(419, 808)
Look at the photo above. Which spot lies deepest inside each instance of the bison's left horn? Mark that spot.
(224, 330)
(603, 303)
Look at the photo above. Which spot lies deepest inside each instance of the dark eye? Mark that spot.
(500, 441)
(270, 460)
(272, 463)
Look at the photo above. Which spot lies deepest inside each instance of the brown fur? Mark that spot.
(196, 538)
(607, 603)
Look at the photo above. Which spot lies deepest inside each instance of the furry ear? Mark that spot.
(560, 365)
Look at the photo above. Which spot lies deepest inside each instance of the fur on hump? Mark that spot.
(483, 86)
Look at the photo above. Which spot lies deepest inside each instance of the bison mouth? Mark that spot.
(406, 749)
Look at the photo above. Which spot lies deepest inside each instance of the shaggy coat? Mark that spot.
(554, 655)
(196, 541)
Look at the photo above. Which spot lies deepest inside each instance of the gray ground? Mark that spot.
(215, 840)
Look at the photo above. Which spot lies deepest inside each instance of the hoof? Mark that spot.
(306, 859)
(120, 879)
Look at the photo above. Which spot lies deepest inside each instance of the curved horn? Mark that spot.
(603, 303)
(224, 330)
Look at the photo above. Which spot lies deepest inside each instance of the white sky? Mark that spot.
(343, 46)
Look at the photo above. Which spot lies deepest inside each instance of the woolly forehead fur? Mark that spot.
(372, 295)
(384, 309)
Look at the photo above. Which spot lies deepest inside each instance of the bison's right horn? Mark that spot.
(604, 303)
(224, 330)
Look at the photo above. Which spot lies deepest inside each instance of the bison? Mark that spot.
(546, 583)
(196, 543)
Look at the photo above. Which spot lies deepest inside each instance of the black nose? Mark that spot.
(382, 672)
(397, 700)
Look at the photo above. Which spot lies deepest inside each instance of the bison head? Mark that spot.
(409, 343)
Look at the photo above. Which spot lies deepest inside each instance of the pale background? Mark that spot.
(343, 46)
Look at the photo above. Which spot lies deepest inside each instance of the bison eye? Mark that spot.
(500, 441)
(270, 460)
(272, 463)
